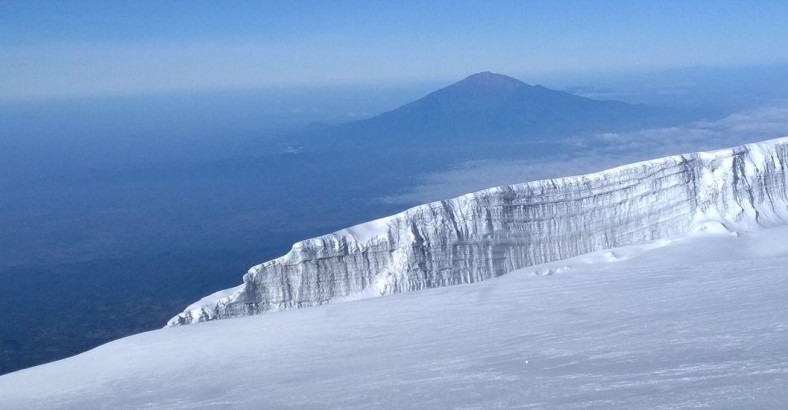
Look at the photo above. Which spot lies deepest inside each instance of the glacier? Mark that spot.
(489, 233)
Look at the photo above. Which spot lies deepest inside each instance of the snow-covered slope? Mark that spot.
(699, 323)
(492, 232)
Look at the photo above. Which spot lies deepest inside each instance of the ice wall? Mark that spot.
(489, 233)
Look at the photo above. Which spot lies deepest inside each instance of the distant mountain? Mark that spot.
(492, 105)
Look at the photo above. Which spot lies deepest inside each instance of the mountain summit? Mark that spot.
(488, 80)
(479, 91)
(488, 105)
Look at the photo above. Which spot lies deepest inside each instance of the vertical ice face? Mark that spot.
(489, 233)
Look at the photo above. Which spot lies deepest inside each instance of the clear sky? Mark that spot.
(82, 48)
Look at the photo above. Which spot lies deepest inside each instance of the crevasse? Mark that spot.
(491, 232)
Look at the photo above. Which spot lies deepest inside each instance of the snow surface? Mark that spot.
(696, 322)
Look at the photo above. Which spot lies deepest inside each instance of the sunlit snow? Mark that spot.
(700, 321)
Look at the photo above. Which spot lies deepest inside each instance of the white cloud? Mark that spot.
(602, 151)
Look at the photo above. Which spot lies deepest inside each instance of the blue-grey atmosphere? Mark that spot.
(90, 48)
(152, 152)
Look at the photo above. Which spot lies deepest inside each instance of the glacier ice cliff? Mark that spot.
(491, 232)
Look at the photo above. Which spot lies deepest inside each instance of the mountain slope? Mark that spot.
(492, 232)
(700, 323)
(488, 105)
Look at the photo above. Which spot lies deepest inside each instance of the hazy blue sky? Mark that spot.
(61, 48)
